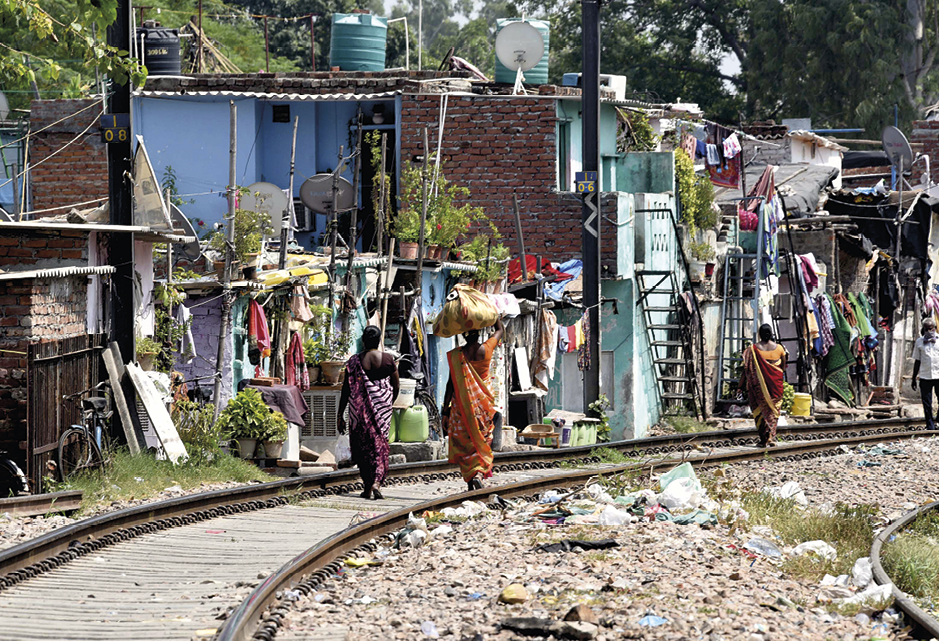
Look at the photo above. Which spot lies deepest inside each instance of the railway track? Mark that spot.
(182, 564)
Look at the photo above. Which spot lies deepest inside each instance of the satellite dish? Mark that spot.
(191, 251)
(897, 148)
(519, 46)
(316, 192)
(269, 199)
(4, 107)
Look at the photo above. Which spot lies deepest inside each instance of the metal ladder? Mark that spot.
(669, 325)
(741, 288)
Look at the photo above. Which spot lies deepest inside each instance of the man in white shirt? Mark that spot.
(926, 354)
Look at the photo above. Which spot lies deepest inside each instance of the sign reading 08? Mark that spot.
(115, 127)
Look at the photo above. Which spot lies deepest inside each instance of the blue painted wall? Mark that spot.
(191, 134)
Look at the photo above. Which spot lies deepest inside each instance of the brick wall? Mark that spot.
(497, 146)
(35, 309)
(925, 139)
(79, 172)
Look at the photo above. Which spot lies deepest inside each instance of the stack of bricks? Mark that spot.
(500, 146)
(79, 172)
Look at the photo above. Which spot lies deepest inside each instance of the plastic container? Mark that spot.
(748, 241)
(357, 42)
(801, 404)
(406, 389)
(160, 47)
(413, 426)
(565, 436)
(393, 430)
(537, 75)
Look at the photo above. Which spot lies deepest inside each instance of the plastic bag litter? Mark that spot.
(840, 581)
(598, 494)
(429, 629)
(764, 548)
(416, 538)
(875, 597)
(819, 548)
(343, 449)
(551, 496)
(683, 471)
(612, 516)
(790, 490)
(652, 621)
(442, 530)
(862, 573)
(468, 509)
(834, 593)
(682, 494)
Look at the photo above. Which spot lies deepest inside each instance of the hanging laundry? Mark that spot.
(506, 304)
(825, 324)
(563, 341)
(837, 363)
(299, 304)
(583, 358)
(731, 146)
(259, 338)
(689, 144)
(726, 174)
(546, 350)
(700, 149)
(713, 158)
(808, 272)
(297, 373)
(187, 344)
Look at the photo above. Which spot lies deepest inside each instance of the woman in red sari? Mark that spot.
(468, 411)
(764, 372)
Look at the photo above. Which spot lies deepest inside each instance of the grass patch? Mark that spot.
(912, 561)
(120, 480)
(687, 425)
(610, 456)
(849, 529)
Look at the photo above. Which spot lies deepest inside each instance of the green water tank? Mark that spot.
(413, 426)
(537, 75)
(358, 42)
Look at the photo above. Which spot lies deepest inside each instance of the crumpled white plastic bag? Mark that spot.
(343, 449)
(819, 548)
(612, 516)
(790, 490)
(683, 494)
(862, 574)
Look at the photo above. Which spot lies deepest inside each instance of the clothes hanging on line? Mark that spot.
(259, 338)
(731, 146)
(187, 344)
(297, 373)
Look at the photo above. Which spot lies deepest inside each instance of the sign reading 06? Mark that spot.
(115, 127)
(586, 182)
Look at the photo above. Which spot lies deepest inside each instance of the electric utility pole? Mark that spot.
(588, 185)
(121, 252)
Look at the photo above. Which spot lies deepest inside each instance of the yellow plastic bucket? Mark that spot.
(801, 404)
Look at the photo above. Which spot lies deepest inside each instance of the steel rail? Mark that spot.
(925, 621)
(64, 544)
(259, 615)
(35, 504)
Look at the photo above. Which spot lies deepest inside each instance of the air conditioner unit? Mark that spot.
(616, 83)
(306, 219)
(322, 420)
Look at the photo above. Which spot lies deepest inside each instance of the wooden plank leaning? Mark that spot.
(159, 417)
(115, 367)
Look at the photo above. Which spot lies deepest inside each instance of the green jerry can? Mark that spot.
(413, 426)
(393, 430)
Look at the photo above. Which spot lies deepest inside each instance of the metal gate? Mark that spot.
(55, 369)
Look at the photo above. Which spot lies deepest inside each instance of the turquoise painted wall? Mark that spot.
(570, 110)
(651, 173)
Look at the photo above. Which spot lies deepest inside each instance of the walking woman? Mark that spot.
(468, 410)
(369, 389)
(764, 368)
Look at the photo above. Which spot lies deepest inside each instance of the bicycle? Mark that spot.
(81, 446)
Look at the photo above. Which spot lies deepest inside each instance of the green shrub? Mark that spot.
(197, 429)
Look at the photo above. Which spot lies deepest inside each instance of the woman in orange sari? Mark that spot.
(468, 411)
(764, 372)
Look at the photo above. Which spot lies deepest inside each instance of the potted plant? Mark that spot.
(490, 257)
(274, 435)
(701, 253)
(326, 348)
(245, 419)
(147, 350)
(250, 228)
(408, 232)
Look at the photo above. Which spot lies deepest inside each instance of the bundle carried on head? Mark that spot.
(466, 309)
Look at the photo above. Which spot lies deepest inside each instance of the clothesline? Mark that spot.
(739, 133)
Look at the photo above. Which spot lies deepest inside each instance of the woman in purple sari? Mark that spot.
(369, 389)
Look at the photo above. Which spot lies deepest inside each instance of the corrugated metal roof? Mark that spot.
(59, 272)
(809, 136)
(269, 95)
(143, 233)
